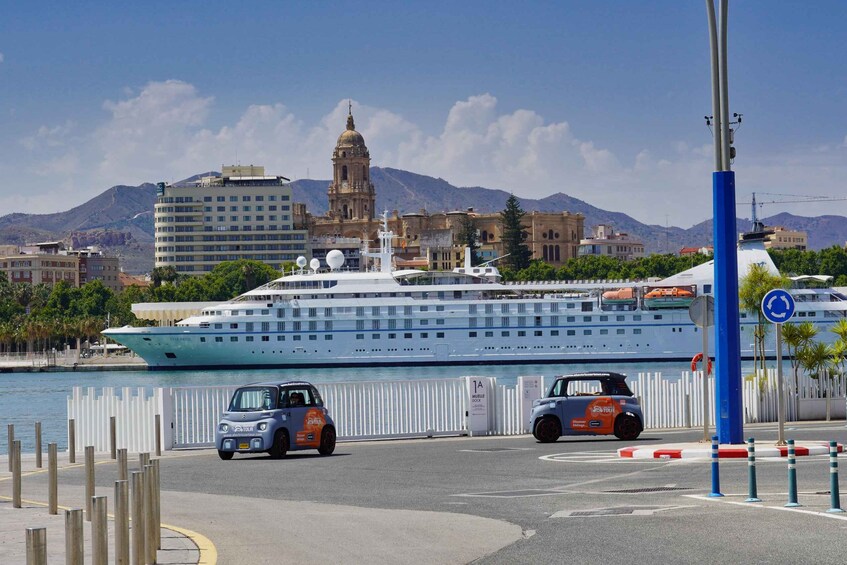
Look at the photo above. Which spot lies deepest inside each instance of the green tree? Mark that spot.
(815, 359)
(468, 237)
(517, 254)
(752, 289)
(796, 338)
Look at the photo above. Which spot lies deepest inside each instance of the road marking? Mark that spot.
(593, 457)
(616, 511)
(819, 514)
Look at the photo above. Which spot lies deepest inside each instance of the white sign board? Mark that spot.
(529, 389)
(479, 397)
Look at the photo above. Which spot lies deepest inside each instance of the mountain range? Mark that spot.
(120, 220)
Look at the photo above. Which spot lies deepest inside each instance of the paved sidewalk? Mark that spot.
(178, 547)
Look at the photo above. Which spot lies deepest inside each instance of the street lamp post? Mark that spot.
(729, 407)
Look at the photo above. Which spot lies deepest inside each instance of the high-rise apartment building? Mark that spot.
(242, 214)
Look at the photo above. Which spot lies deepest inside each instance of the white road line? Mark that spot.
(760, 506)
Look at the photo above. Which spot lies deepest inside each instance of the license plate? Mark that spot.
(243, 446)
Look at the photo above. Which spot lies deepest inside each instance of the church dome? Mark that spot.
(350, 137)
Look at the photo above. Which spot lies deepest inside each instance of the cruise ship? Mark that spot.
(324, 316)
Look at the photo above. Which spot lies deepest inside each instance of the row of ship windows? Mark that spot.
(380, 312)
(391, 324)
(424, 335)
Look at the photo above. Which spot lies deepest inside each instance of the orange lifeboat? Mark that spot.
(671, 297)
(621, 296)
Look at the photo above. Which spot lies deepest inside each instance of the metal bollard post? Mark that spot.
(716, 479)
(36, 546)
(792, 476)
(143, 460)
(16, 473)
(752, 496)
(89, 480)
(10, 433)
(113, 438)
(122, 467)
(72, 441)
(73, 537)
(122, 522)
(38, 445)
(138, 534)
(99, 531)
(52, 471)
(158, 430)
(157, 503)
(835, 495)
(149, 520)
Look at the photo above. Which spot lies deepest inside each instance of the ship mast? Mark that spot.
(386, 251)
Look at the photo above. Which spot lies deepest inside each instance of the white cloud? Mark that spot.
(161, 132)
(2, 58)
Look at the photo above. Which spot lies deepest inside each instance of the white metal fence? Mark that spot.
(367, 410)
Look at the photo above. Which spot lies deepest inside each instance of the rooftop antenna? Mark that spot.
(757, 225)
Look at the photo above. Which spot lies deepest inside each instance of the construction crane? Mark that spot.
(786, 199)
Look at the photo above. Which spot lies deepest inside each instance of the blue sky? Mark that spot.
(602, 100)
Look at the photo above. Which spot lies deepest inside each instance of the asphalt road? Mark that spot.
(632, 511)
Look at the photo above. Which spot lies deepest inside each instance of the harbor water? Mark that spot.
(26, 398)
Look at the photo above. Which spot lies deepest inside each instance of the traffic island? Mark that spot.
(696, 450)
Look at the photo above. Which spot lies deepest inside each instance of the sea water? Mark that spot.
(26, 398)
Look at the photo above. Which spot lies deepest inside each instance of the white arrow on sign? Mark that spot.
(776, 314)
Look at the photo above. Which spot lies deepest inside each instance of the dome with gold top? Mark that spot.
(350, 142)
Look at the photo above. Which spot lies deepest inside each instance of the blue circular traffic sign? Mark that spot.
(778, 306)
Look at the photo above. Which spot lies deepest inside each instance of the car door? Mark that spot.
(588, 408)
(305, 418)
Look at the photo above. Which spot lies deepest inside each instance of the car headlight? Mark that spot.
(223, 427)
(263, 426)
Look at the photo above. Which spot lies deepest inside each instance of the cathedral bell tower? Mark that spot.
(351, 194)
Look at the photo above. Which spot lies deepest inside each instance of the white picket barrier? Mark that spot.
(427, 407)
(135, 413)
(396, 409)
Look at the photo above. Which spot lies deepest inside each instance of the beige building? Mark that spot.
(780, 238)
(242, 214)
(553, 237)
(41, 268)
(606, 241)
(50, 263)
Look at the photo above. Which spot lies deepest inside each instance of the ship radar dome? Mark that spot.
(335, 259)
(315, 264)
(301, 261)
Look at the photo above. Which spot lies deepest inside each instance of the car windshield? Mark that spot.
(253, 399)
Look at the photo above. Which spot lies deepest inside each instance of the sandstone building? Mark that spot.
(552, 236)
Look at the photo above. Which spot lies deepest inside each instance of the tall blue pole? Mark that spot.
(729, 405)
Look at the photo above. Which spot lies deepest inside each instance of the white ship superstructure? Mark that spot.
(331, 317)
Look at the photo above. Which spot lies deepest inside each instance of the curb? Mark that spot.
(704, 451)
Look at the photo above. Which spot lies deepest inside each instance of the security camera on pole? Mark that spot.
(778, 307)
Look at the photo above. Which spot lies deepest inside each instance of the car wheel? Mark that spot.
(280, 445)
(327, 441)
(627, 427)
(547, 430)
(225, 455)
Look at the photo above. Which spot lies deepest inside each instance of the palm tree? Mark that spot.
(752, 289)
(816, 360)
(796, 338)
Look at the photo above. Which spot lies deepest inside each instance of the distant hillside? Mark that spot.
(120, 220)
